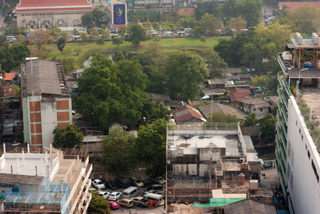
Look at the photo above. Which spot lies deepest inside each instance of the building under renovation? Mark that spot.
(205, 157)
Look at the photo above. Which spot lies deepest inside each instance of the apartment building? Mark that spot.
(46, 102)
(297, 153)
(203, 158)
(45, 181)
(36, 14)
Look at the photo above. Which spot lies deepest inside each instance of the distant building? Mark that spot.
(36, 14)
(161, 98)
(45, 181)
(292, 6)
(208, 110)
(187, 114)
(258, 106)
(249, 206)
(238, 94)
(46, 102)
(217, 83)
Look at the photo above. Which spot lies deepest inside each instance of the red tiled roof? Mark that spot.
(9, 76)
(239, 94)
(292, 6)
(52, 5)
(185, 113)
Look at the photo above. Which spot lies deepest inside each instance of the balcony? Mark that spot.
(282, 126)
(283, 154)
(280, 135)
(279, 160)
(282, 110)
(281, 180)
(283, 67)
(283, 82)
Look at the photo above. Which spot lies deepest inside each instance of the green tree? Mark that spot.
(186, 71)
(155, 25)
(119, 57)
(117, 41)
(67, 137)
(87, 20)
(210, 22)
(75, 32)
(229, 9)
(220, 117)
(198, 31)
(84, 36)
(117, 151)
(153, 111)
(20, 38)
(250, 10)
(61, 43)
(108, 94)
(3, 39)
(250, 120)
(67, 64)
(41, 37)
(310, 13)
(100, 41)
(237, 23)
(136, 34)
(98, 204)
(157, 38)
(260, 81)
(215, 64)
(151, 147)
(94, 34)
(98, 16)
(268, 127)
(105, 33)
(11, 57)
(187, 22)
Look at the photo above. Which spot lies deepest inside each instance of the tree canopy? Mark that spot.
(67, 137)
(250, 120)
(186, 71)
(108, 93)
(98, 204)
(151, 147)
(118, 155)
(11, 57)
(268, 127)
(136, 34)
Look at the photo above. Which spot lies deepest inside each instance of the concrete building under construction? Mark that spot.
(204, 157)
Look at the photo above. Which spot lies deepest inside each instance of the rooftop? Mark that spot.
(9, 76)
(217, 81)
(249, 206)
(159, 97)
(42, 77)
(238, 94)
(49, 5)
(207, 110)
(233, 70)
(258, 103)
(20, 179)
(292, 6)
(186, 113)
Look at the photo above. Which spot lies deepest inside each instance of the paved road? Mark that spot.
(138, 210)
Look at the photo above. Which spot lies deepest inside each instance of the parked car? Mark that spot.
(98, 184)
(113, 205)
(136, 182)
(114, 196)
(140, 201)
(149, 191)
(127, 203)
(159, 180)
(111, 185)
(123, 182)
(104, 194)
(92, 188)
(155, 187)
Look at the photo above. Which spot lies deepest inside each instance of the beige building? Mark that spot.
(36, 14)
(45, 180)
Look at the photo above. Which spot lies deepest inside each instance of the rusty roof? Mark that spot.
(185, 113)
(238, 94)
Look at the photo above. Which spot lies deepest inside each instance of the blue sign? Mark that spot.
(119, 14)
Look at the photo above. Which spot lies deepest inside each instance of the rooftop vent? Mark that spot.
(298, 38)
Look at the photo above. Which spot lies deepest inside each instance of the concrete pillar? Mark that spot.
(23, 159)
(4, 148)
(18, 165)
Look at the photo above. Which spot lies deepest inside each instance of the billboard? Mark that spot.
(119, 14)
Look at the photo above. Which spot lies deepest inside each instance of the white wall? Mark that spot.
(48, 121)
(303, 185)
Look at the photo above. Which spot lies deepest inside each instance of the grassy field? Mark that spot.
(169, 45)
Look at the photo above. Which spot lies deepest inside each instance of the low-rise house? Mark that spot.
(8, 77)
(187, 114)
(217, 83)
(161, 98)
(233, 71)
(238, 94)
(258, 106)
(208, 110)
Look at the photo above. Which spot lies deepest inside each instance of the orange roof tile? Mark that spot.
(9, 76)
(239, 94)
(185, 113)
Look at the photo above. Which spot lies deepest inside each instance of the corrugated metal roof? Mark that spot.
(249, 206)
(185, 113)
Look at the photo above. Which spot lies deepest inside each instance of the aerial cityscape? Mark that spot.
(159, 107)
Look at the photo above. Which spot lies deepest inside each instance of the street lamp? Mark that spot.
(298, 82)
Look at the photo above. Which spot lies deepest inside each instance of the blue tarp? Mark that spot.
(283, 212)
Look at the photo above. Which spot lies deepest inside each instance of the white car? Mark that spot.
(114, 196)
(98, 184)
(104, 194)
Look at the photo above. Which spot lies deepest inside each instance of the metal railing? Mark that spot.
(283, 112)
(283, 67)
(282, 126)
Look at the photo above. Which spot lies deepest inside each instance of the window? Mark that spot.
(299, 131)
(315, 171)
(261, 109)
(254, 109)
(308, 154)
(296, 122)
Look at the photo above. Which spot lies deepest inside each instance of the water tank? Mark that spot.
(253, 184)
(241, 178)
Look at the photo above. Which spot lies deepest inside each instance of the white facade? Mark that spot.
(252, 109)
(303, 165)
